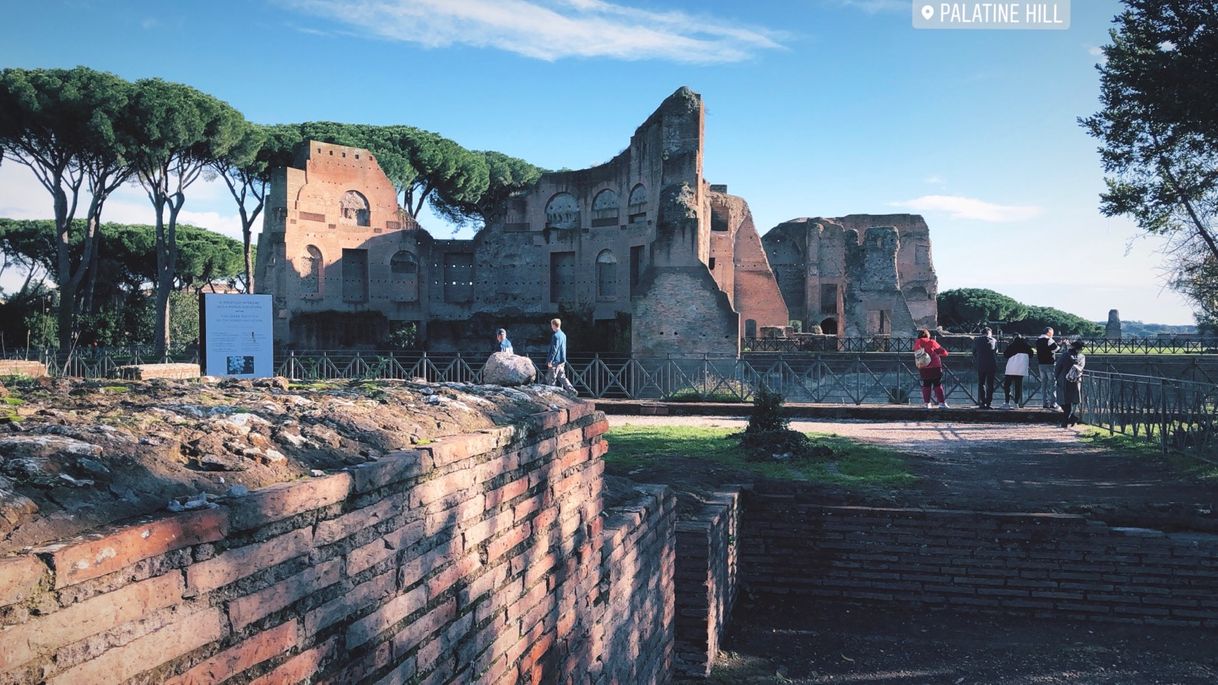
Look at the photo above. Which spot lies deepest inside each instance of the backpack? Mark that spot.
(921, 358)
(1073, 375)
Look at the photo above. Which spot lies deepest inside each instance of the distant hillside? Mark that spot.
(1137, 329)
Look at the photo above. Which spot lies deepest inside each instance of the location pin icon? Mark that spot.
(927, 12)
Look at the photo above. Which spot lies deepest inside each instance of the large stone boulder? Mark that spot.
(505, 368)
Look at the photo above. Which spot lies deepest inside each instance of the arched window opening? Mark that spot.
(354, 209)
(562, 211)
(636, 206)
(311, 276)
(403, 263)
(403, 271)
(606, 275)
(605, 209)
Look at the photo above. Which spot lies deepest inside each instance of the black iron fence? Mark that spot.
(1170, 413)
(836, 378)
(963, 343)
(1179, 412)
(101, 362)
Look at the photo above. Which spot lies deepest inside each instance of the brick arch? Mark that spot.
(562, 211)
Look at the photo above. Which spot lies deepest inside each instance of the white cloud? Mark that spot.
(550, 29)
(970, 208)
(1098, 53)
(935, 180)
(207, 203)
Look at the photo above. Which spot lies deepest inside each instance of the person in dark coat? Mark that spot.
(1069, 372)
(985, 349)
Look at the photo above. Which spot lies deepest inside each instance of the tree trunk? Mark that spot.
(247, 229)
(164, 280)
(1201, 229)
(66, 315)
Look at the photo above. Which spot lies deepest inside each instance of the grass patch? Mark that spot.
(1180, 462)
(854, 464)
(312, 385)
(115, 388)
(14, 401)
(688, 395)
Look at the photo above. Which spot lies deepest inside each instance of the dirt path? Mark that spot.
(1008, 467)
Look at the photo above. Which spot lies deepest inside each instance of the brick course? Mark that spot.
(486, 558)
(1051, 565)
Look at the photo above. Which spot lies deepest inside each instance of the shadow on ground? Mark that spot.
(851, 645)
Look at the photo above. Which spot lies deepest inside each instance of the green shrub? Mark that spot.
(767, 412)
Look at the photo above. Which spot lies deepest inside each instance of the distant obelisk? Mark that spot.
(1113, 330)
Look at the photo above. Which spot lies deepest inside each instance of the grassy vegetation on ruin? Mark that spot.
(1198, 467)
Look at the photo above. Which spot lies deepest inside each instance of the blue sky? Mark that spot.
(814, 108)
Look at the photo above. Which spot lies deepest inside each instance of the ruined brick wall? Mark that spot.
(706, 581)
(856, 275)
(340, 258)
(1059, 565)
(915, 261)
(681, 310)
(479, 558)
(347, 268)
(755, 291)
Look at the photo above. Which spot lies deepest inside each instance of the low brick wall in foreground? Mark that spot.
(482, 558)
(1051, 565)
(706, 581)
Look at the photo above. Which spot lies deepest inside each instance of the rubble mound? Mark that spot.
(77, 454)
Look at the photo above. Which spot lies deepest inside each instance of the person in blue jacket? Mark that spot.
(505, 345)
(556, 362)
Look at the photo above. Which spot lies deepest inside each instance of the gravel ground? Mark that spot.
(1011, 467)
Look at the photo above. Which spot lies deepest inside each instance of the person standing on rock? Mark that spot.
(1019, 357)
(556, 362)
(1045, 349)
(985, 349)
(505, 345)
(928, 356)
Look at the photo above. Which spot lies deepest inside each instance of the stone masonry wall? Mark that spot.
(706, 582)
(481, 558)
(1051, 565)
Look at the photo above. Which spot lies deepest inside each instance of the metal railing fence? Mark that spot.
(1170, 413)
(963, 343)
(837, 379)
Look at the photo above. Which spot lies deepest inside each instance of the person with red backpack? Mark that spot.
(928, 357)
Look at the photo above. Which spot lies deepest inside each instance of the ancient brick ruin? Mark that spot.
(856, 275)
(640, 254)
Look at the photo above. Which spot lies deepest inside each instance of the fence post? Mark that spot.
(1162, 417)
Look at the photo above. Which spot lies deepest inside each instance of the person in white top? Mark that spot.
(1019, 357)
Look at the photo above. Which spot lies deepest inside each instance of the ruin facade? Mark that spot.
(858, 275)
(641, 249)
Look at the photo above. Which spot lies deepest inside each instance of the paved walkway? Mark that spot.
(1009, 467)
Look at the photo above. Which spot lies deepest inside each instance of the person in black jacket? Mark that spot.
(1046, 347)
(984, 349)
(1069, 372)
